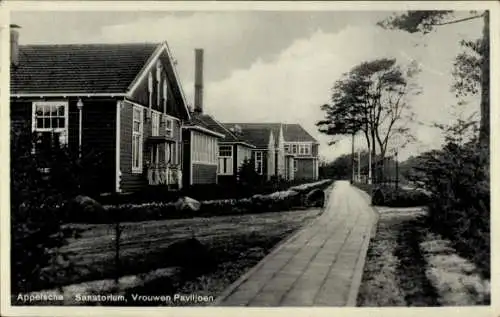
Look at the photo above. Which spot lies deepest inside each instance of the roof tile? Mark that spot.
(79, 68)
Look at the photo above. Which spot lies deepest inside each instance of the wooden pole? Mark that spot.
(359, 165)
(352, 159)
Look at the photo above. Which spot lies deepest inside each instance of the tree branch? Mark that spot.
(459, 20)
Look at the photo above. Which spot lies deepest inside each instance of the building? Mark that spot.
(124, 101)
(283, 150)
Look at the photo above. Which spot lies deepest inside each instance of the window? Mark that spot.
(137, 129)
(287, 148)
(150, 88)
(225, 160)
(294, 148)
(155, 124)
(258, 162)
(304, 149)
(50, 124)
(155, 156)
(165, 92)
(169, 127)
(204, 148)
(170, 154)
(295, 166)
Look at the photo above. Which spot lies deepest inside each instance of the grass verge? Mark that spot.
(410, 265)
(238, 243)
(394, 273)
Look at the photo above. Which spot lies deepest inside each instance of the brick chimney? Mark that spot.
(198, 81)
(14, 44)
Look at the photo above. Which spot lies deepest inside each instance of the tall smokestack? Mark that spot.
(198, 81)
(14, 44)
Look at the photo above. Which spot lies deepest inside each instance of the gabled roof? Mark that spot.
(258, 133)
(214, 125)
(79, 68)
(198, 122)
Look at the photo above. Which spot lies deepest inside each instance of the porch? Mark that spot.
(170, 175)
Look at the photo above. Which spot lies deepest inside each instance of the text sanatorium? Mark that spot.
(100, 298)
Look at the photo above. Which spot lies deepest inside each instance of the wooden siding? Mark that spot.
(98, 129)
(99, 133)
(135, 181)
(186, 158)
(204, 174)
(305, 169)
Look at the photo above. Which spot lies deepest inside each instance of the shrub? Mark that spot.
(38, 200)
(386, 195)
(258, 203)
(458, 180)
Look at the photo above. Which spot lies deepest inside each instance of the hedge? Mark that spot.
(221, 191)
(279, 201)
(390, 196)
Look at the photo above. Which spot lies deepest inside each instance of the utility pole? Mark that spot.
(359, 165)
(352, 159)
(369, 166)
(397, 169)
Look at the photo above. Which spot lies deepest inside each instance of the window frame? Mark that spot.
(204, 149)
(169, 132)
(155, 123)
(140, 136)
(304, 149)
(261, 161)
(63, 132)
(227, 159)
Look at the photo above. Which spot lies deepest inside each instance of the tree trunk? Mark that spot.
(484, 130)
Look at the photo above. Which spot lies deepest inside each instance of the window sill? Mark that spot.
(137, 171)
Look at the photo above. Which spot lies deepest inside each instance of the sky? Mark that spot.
(276, 66)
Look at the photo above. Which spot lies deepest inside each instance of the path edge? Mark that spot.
(360, 264)
(231, 288)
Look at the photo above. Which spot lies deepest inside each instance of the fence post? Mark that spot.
(117, 251)
(397, 169)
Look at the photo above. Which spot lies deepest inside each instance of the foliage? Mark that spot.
(340, 168)
(460, 192)
(467, 69)
(416, 21)
(371, 98)
(247, 175)
(390, 196)
(37, 201)
(471, 71)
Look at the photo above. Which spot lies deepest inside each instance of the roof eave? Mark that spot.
(204, 130)
(149, 64)
(67, 94)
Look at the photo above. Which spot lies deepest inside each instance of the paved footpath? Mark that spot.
(321, 265)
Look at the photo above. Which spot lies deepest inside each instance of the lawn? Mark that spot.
(409, 265)
(238, 243)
